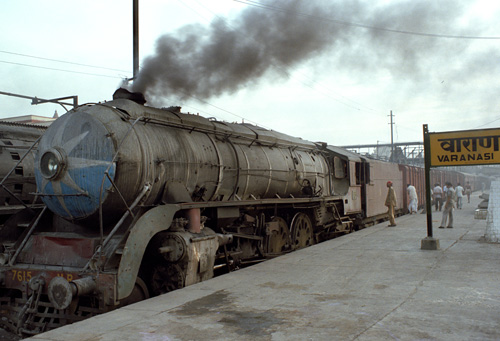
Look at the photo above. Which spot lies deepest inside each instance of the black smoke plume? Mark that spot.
(208, 61)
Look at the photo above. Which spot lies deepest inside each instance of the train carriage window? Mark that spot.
(359, 173)
(367, 172)
(362, 173)
(340, 167)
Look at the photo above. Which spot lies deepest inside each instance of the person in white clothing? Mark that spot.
(412, 194)
(459, 192)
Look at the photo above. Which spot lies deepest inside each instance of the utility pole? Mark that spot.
(136, 37)
(392, 138)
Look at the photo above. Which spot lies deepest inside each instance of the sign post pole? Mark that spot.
(429, 242)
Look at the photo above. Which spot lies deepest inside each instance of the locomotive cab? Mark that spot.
(350, 176)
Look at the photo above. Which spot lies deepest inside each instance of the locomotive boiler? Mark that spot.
(141, 201)
(107, 156)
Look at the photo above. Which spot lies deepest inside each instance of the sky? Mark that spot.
(329, 71)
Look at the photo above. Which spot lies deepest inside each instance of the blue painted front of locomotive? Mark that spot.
(71, 162)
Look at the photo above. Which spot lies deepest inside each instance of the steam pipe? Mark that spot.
(194, 216)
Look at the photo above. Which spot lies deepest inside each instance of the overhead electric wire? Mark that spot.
(192, 9)
(346, 23)
(219, 108)
(62, 61)
(498, 119)
(55, 69)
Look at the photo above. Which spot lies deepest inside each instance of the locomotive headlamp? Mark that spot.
(51, 164)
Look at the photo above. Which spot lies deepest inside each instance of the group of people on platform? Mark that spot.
(439, 194)
(446, 196)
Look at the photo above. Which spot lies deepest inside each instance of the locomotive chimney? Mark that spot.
(137, 97)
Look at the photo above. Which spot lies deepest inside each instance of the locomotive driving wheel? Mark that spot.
(301, 231)
(279, 237)
(139, 293)
(166, 277)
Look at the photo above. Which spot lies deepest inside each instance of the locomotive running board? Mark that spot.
(281, 201)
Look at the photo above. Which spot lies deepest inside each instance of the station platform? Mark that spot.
(374, 284)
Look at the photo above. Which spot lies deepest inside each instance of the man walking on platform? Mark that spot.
(468, 191)
(413, 205)
(390, 202)
(437, 192)
(448, 206)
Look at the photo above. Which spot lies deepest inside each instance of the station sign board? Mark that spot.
(465, 148)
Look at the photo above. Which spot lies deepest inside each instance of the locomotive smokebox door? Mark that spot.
(73, 157)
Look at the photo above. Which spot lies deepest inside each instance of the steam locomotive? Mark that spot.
(140, 201)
